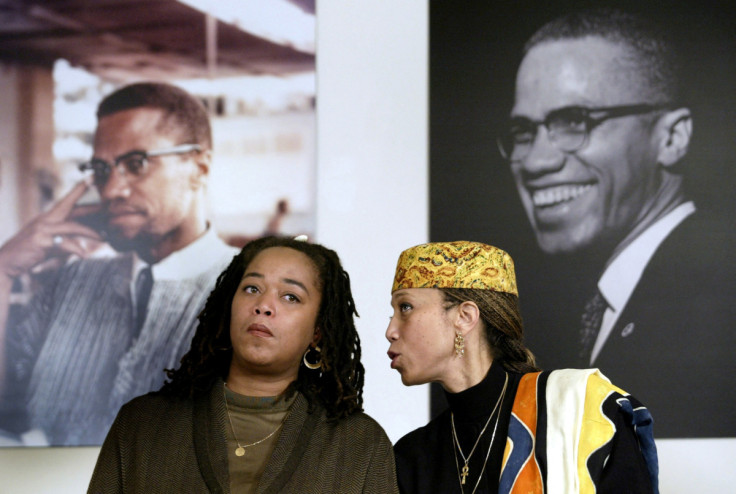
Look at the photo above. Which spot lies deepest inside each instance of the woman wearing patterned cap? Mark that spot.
(509, 427)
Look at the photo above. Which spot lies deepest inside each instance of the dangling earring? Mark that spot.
(316, 365)
(459, 344)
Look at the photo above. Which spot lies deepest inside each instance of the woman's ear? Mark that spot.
(316, 337)
(467, 317)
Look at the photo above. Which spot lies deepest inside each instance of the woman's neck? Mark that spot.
(478, 401)
(257, 385)
(466, 371)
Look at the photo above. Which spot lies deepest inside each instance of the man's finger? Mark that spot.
(78, 246)
(81, 210)
(60, 211)
(74, 229)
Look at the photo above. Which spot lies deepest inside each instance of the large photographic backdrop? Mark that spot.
(671, 343)
(73, 347)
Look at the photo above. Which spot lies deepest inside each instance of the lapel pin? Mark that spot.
(628, 329)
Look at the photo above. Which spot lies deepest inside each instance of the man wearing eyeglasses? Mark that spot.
(104, 329)
(596, 140)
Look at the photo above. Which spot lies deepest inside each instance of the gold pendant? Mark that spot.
(466, 472)
(240, 451)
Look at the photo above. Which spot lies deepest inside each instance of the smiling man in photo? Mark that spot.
(596, 142)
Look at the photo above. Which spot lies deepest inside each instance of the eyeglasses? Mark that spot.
(135, 163)
(568, 128)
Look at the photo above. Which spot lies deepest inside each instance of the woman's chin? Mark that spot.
(409, 380)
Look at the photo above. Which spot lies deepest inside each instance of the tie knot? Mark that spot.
(144, 278)
(594, 307)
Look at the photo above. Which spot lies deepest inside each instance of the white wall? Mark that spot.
(372, 187)
(372, 202)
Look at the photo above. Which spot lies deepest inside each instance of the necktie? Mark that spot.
(125, 380)
(143, 285)
(590, 324)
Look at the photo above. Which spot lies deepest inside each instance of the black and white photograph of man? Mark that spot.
(611, 177)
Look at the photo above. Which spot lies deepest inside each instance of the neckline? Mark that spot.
(477, 401)
(246, 403)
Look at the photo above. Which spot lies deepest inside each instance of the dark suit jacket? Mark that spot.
(673, 345)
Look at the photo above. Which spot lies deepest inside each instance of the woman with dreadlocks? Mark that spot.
(268, 398)
(509, 427)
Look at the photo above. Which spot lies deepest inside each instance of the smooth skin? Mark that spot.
(422, 340)
(273, 321)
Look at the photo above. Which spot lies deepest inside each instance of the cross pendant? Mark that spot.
(465, 473)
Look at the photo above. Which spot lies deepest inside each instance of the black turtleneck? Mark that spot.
(425, 458)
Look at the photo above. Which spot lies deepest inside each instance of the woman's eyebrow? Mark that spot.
(295, 282)
(290, 281)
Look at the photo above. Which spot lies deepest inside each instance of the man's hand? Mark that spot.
(52, 233)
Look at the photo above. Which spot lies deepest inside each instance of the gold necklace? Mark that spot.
(240, 450)
(456, 443)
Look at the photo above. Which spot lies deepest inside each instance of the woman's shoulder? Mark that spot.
(154, 404)
(360, 421)
(423, 437)
(355, 436)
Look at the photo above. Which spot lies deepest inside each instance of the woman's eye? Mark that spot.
(290, 297)
(250, 289)
(405, 307)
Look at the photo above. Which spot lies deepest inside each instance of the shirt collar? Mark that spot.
(195, 258)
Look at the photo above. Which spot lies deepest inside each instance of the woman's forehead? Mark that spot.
(283, 262)
(427, 294)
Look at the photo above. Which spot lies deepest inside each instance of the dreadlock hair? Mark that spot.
(338, 386)
(504, 329)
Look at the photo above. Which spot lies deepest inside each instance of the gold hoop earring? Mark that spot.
(316, 365)
(459, 344)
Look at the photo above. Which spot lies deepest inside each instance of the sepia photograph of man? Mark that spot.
(78, 352)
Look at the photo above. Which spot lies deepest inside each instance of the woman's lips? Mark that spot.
(393, 356)
(259, 330)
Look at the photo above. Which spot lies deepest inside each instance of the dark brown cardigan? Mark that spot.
(163, 444)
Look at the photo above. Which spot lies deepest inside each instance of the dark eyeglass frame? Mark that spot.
(102, 169)
(560, 120)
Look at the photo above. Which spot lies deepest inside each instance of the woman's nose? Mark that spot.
(264, 306)
(392, 334)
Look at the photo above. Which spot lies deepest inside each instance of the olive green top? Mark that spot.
(257, 423)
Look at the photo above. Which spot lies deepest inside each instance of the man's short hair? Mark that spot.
(181, 110)
(654, 50)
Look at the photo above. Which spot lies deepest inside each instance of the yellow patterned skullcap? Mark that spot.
(458, 264)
